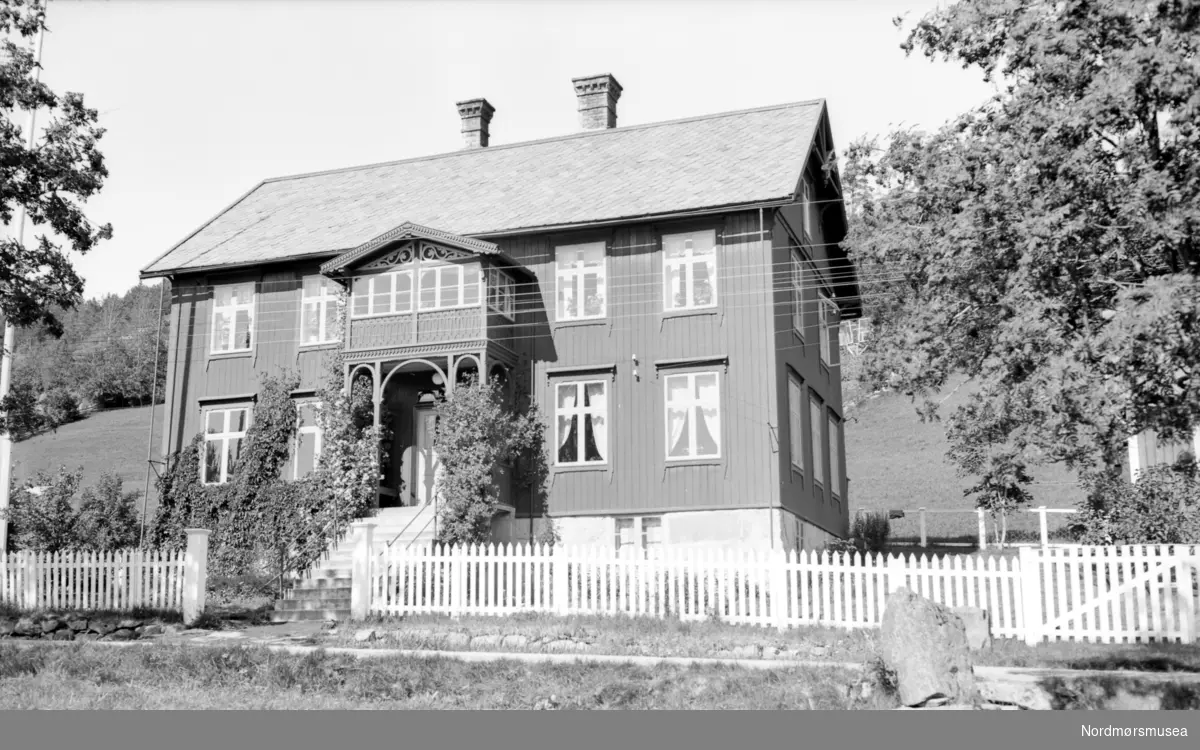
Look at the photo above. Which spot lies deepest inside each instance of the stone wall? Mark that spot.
(80, 627)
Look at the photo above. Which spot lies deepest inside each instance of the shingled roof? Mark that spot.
(732, 159)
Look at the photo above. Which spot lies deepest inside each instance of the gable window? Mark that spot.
(796, 423)
(306, 445)
(581, 281)
(835, 457)
(690, 271)
(501, 292)
(450, 286)
(808, 209)
(816, 444)
(318, 311)
(581, 419)
(797, 281)
(693, 416)
(827, 314)
(224, 430)
(383, 294)
(233, 318)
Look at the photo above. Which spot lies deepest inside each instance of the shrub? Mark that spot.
(21, 417)
(41, 514)
(58, 407)
(108, 516)
(1161, 507)
(869, 533)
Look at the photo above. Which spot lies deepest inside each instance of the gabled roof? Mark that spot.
(729, 160)
(407, 231)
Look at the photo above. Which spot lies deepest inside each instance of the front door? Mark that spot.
(425, 464)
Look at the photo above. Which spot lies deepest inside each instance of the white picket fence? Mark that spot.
(83, 581)
(1092, 593)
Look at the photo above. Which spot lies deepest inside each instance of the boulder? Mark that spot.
(102, 627)
(64, 634)
(153, 629)
(7, 627)
(515, 641)
(78, 625)
(455, 640)
(926, 645)
(978, 625)
(122, 634)
(128, 624)
(365, 635)
(50, 624)
(561, 645)
(27, 626)
(485, 641)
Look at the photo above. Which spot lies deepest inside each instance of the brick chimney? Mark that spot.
(476, 115)
(598, 97)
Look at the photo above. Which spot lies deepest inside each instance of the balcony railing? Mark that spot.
(409, 329)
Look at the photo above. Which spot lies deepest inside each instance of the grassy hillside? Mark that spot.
(895, 461)
(105, 441)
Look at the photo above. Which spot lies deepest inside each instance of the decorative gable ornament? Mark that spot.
(409, 251)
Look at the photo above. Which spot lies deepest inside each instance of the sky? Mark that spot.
(202, 99)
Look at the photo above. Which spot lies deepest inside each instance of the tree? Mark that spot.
(1161, 507)
(49, 181)
(1045, 243)
(108, 516)
(42, 513)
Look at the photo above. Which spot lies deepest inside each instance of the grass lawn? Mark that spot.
(894, 461)
(113, 440)
(171, 677)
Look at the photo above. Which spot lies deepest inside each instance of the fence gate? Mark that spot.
(1137, 593)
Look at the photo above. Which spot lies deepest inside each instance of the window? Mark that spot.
(448, 287)
(827, 313)
(693, 416)
(306, 447)
(501, 292)
(835, 456)
(233, 318)
(796, 422)
(808, 209)
(581, 411)
(581, 282)
(383, 294)
(798, 293)
(638, 537)
(652, 537)
(224, 430)
(318, 311)
(816, 444)
(690, 271)
(625, 541)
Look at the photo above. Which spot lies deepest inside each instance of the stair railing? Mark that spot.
(411, 521)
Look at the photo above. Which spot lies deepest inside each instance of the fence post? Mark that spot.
(1030, 568)
(897, 572)
(982, 529)
(924, 538)
(559, 576)
(779, 589)
(360, 581)
(1042, 523)
(195, 574)
(458, 576)
(31, 580)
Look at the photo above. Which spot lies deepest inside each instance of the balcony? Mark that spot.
(418, 329)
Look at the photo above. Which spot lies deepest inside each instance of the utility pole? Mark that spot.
(10, 332)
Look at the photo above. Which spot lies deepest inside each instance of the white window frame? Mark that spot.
(313, 429)
(797, 282)
(826, 313)
(501, 293)
(327, 298)
(817, 444)
(222, 438)
(574, 275)
(437, 271)
(691, 403)
(833, 429)
(691, 259)
(639, 546)
(232, 310)
(796, 422)
(580, 412)
(393, 298)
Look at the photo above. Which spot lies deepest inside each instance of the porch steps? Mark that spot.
(323, 593)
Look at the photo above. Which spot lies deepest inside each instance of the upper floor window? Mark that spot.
(827, 312)
(383, 294)
(693, 416)
(797, 283)
(450, 286)
(835, 456)
(796, 422)
(690, 270)
(306, 446)
(224, 430)
(501, 292)
(808, 209)
(318, 311)
(816, 444)
(581, 281)
(233, 318)
(581, 417)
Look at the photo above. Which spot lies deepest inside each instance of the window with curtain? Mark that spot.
(796, 422)
(382, 294)
(690, 270)
(224, 431)
(797, 293)
(581, 419)
(318, 311)
(816, 444)
(693, 416)
(581, 280)
(306, 446)
(835, 457)
(233, 318)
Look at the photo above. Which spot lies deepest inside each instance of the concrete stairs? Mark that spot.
(323, 593)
